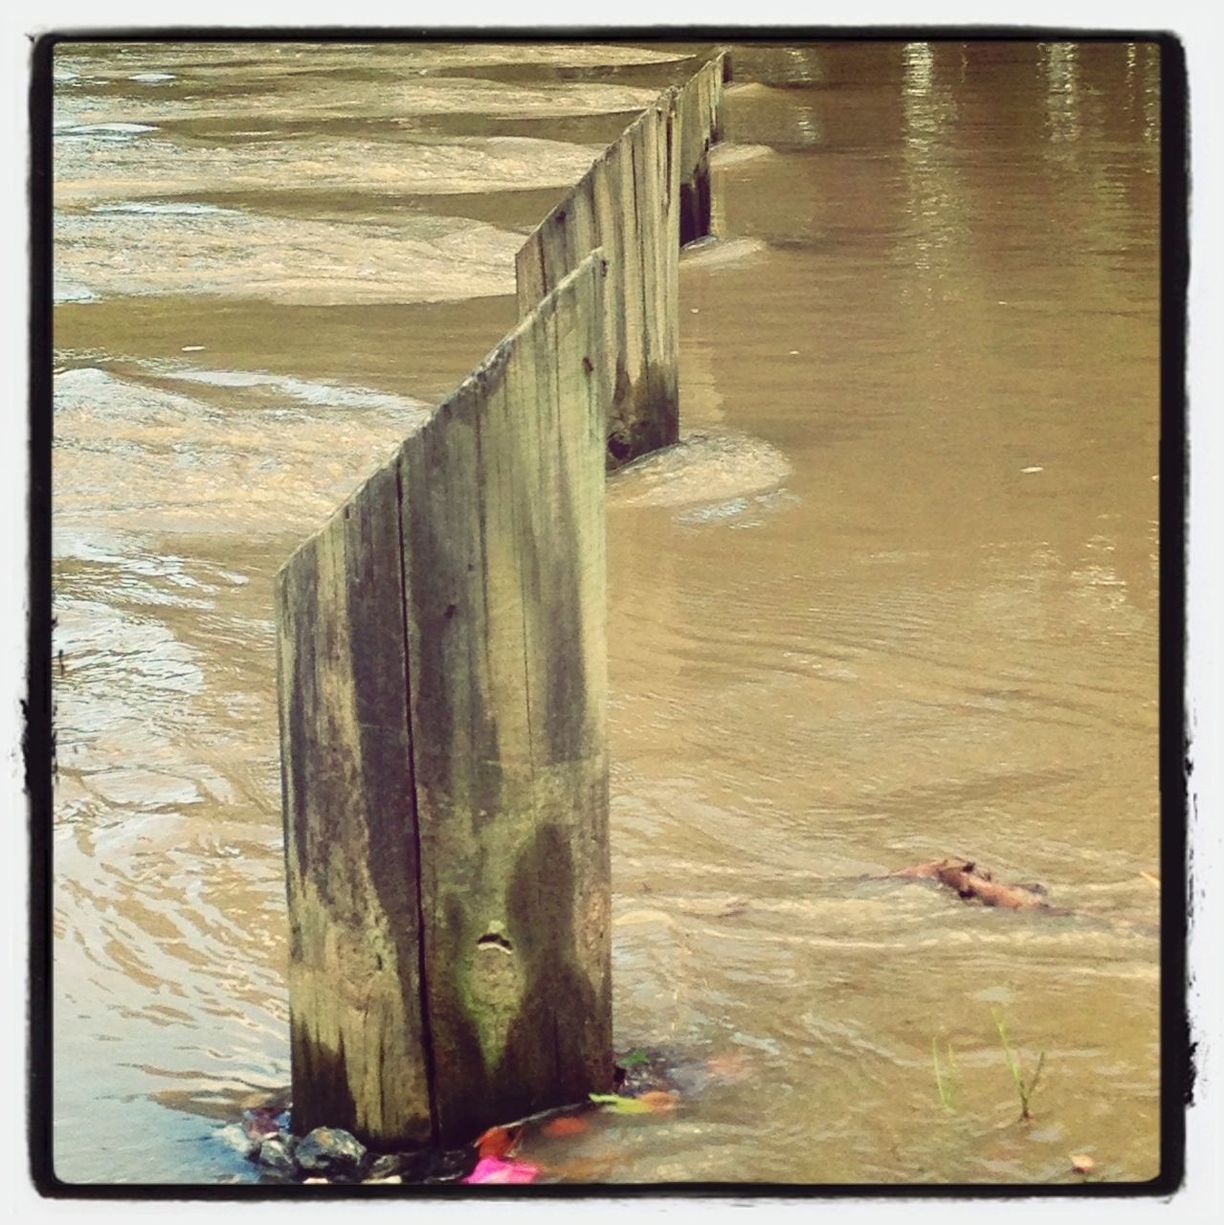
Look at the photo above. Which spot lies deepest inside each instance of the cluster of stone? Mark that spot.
(332, 1155)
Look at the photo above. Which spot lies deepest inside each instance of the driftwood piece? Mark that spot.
(973, 884)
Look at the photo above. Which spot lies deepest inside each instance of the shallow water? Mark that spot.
(894, 596)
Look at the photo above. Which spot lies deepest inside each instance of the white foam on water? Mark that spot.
(256, 453)
(731, 154)
(711, 252)
(717, 473)
(106, 129)
(165, 208)
(138, 249)
(66, 290)
(324, 395)
(103, 161)
(739, 513)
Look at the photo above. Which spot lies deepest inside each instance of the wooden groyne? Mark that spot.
(442, 665)
(626, 204)
(646, 195)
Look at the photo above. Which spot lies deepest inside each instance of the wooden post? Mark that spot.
(697, 108)
(645, 196)
(442, 669)
(504, 559)
(627, 205)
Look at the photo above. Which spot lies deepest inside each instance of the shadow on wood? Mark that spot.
(697, 109)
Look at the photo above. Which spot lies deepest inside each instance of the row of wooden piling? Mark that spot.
(644, 197)
(442, 671)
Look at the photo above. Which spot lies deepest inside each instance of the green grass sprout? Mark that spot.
(1024, 1088)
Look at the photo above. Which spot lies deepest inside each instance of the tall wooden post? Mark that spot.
(646, 195)
(442, 672)
(504, 563)
(442, 679)
(357, 1029)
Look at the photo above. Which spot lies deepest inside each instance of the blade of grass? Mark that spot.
(1023, 1091)
(946, 1090)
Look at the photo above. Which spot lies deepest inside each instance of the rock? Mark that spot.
(387, 1165)
(233, 1136)
(276, 1153)
(260, 1123)
(639, 1070)
(660, 1069)
(329, 1150)
(418, 1166)
(451, 1166)
(1081, 1163)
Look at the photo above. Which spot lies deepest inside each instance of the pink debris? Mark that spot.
(496, 1170)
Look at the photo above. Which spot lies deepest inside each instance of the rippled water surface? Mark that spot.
(894, 597)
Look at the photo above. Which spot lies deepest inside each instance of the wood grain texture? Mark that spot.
(697, 106)
(358, 1051)
(697, 110)
(626, 204)
(504, 558)
(442, 670)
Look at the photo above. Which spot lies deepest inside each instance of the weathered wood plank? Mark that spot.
(359, 1053)
(626, 204)
(503, 536)
(697, 107)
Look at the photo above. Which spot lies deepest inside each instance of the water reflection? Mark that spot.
(1060, 65)
(1151, 93)
(936, 215)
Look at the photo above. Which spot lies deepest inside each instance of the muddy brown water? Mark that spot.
(894, 598)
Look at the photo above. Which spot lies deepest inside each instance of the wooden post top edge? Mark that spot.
(479, 377)
(489, 369)
(387, 466)
(667, 99)
(714, 66)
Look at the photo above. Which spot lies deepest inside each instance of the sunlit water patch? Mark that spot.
(134, 454)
